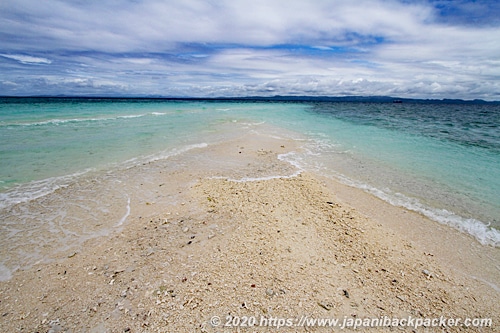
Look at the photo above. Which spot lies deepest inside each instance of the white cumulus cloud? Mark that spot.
(238, 47)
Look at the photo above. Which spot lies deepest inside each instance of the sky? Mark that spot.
(230, 48)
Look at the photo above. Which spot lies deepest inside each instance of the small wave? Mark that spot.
(124, 218)
(55, 122)
(250, 124)
(36, 189)
(39, 188)
(291, 158)
(162, 155)
(58, 121)
(479, 230)
(130, 116)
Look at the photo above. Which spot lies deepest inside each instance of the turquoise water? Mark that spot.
(45, 139)
(440, 160)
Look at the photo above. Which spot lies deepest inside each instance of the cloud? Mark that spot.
(238, 47)
(118, 26)
(26, 59)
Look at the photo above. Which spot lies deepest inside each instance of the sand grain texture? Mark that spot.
(279, 247)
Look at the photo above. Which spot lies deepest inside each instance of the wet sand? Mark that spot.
(214, 241)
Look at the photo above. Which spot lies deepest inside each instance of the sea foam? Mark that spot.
(484, 233)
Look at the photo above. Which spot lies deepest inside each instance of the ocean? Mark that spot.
(65, 163)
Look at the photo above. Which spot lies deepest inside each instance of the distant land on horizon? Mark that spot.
(276, 98)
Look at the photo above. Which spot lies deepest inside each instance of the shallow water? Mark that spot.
(73, 169)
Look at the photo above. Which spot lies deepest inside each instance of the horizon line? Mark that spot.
(290, 98)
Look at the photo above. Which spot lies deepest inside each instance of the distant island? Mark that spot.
(277, 98)
(362, 99)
